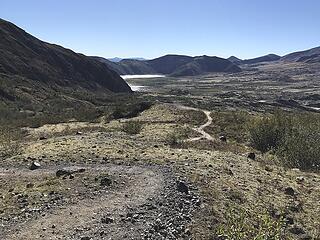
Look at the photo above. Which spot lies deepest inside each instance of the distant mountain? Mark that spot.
(205, 64)
(116, 59)
(235, 60)
(50, 65)
(173, 65)
(266, 58)
(308, 56)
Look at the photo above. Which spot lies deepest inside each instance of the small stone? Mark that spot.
(289, 191)
(105, 181)
(223, 138)
(289, 220)
(79, 133)
(182, 187)
(107, 220)
(300, 179)
(252, 156)
(62, 172)
(86, 238)
(268, 168)
(34, 166)
(297, 230)
(30, 185)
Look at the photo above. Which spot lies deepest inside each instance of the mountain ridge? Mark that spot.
(173, 65)
(24, 55)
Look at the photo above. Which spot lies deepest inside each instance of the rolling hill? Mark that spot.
(308, 56)
(173, 65)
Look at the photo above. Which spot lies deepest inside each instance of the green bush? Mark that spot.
(9, 142)
(173, 139)
(301, 148)
(269, 132)
(132, 127)
(242, 225)
(294, 138)
(177, 137)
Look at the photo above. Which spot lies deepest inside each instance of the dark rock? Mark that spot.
(252, 156)
(105, 181)
(107, 220)
(182, 187)
(223, 138)
(34, 166)
(297, 230)
(86, 238)
(63, 172)
(295, 206)
(289, 220)
(300, 179)
(30, 185)
(289, 191)
(67, 172)
(268, 168)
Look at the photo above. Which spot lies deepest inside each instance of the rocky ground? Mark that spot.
(102, 183)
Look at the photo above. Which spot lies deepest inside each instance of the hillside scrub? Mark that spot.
(293, 137)
(132, 127)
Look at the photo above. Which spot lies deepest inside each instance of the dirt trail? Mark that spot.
(200, 129)
(86, 214)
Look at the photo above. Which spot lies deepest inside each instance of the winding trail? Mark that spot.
(200, 129)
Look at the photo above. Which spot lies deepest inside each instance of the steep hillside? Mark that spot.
(308, 56)
(26, 56)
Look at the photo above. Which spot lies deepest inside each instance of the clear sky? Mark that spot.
(151, 28)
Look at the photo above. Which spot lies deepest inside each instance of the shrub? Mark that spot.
(242, 225)
(232, 124)
(132, 127)
(9, 145)
(294, 138)
(269, 132)
(301, 148)
(173, 139)
(176, 137)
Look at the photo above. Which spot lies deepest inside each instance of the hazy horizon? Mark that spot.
(125, 29)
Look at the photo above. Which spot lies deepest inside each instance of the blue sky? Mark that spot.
(151, 28)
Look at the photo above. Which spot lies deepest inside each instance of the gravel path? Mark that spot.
(200, 129)
(149, 206)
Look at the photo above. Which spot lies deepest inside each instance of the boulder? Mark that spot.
(34, 166)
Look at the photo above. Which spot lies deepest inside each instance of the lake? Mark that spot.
(137, 88)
